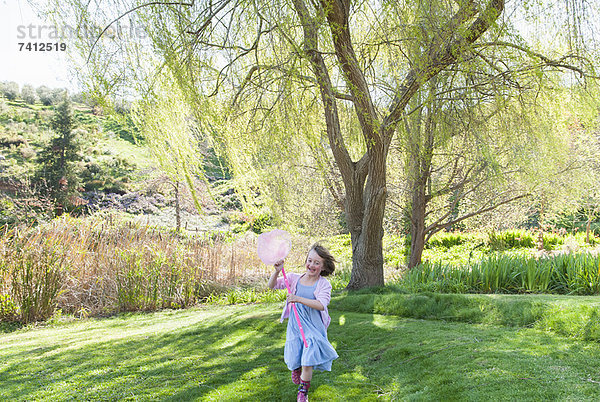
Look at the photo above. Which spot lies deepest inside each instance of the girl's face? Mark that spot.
(314, 264)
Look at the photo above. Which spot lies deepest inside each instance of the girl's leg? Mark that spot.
(296, 375)
(307, 372)
(305, 378)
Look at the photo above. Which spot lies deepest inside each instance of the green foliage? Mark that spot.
(508, 239)
(135, 267)
(88, 121)
(241, 223)
(564, 274)
(29, 95)
(173, 133)
(50, 96)
(447, 240)
(9, 311)
(36, 277)
(225, 196)
(123, 126)
(575, 317)
(247, 295)
(552, 240)
(216, 166)
(10, 90)
(341, 277)
(155, 281)
(238, 221)
(261, 223)
(341, 247)
(109, 175)
(57, 171)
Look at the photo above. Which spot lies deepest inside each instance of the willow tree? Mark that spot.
(472, 146)
(472, 157)
(173, 135)
(344, 55)
(458, 164)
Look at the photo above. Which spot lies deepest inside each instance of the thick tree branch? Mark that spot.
(334, 132)
(437, 226)
(445, 49)
(337, 13)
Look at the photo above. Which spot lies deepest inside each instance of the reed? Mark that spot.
(96, 266)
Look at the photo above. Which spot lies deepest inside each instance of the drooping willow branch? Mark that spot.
(152, 3)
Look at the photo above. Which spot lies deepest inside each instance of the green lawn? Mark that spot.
(236, 353)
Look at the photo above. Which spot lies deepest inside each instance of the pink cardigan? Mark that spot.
(322, 294)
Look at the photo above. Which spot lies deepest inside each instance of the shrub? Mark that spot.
(29, 95)
(447, 239)
(10, 90)
(551, 240)
(261, 223)
(509, 239)
(8, 309)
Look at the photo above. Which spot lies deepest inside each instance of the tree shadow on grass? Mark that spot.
(189, 363)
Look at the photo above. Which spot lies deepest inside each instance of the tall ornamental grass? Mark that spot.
(573, 274)
(32, 272)
(91, 267)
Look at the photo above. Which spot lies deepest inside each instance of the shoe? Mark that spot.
(302, 397)
(303, 391)
(296, 375)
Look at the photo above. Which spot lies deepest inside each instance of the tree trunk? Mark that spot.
(588, 228)
(419, 176)
(177, 208)
(366, 225)
(420, 153)
(417, 228)
(367, 262)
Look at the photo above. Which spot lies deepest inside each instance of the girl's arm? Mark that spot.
(273, 279)
(317, 305)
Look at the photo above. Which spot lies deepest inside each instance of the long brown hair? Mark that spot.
(328, 259)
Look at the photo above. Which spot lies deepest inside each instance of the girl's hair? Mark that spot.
(328, 260)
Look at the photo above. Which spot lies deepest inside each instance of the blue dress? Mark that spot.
(319, 353)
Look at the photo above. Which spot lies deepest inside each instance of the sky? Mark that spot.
(29, 67)
(19, 23)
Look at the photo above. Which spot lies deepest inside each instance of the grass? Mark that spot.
(572, 316)
(235, 353)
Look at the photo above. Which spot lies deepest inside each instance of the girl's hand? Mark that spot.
(279, 265)
(292, 298)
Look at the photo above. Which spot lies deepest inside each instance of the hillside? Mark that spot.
(116, 171)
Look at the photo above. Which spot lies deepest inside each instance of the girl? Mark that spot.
(311, 292)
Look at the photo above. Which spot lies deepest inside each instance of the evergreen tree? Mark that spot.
(57, 159)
